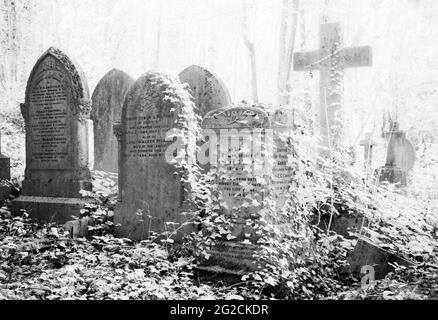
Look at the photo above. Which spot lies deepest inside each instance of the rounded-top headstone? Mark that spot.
(151, 191)
(208, 91)
(56, 112)
(56, 109)
(108, 98)
(401, 152)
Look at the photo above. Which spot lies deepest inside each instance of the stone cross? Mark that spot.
(331, 60)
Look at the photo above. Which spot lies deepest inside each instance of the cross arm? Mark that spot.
(304, 61)
(357, 57)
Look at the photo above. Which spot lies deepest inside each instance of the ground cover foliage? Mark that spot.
(43, 261)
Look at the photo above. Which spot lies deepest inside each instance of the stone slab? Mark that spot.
(5, 168)
(58, 210)
(78, 228)
(366, 253)
(393, 175)
(5, 191)
(208, 91)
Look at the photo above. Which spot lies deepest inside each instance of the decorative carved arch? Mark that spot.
(77, 78)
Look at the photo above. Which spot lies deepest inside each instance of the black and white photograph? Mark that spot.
(226, 154)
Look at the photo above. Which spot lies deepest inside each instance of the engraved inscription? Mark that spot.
(146, 136)
(48, 114)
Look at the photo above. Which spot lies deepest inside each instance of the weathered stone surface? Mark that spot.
(208, 90)
(108, 98)
(400, 158)
(368, 145)
(282, 171)
(5, 174)
(56, 115)
(241, 136)
(5, 191)
(151, 193)
(367, 253)
(78, 228)
(5, 165)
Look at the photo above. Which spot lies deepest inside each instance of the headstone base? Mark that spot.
(56, 188)
(232, 258)
(58, 210)
(141, 227)
(5, 168)
(393, 175)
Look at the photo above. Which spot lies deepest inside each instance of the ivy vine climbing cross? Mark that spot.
(331, 60)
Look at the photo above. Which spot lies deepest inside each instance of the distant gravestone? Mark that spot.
(239, 130)
(56, 114)
(208, 91)
(108, 98)
(368, 145)
(400, 157)
(151, 193)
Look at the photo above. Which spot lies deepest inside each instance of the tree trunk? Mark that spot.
(286, 58)
(251, 51)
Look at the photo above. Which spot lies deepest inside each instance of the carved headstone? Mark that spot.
(282, 171)
(151, 193)
(241, 135)
(56, 114)
(208, 91)
(108, 98)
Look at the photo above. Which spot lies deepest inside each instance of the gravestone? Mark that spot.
(331, 60)
(400, 157)
(151, 193)
(56, 114)
(108, 98)
(208, 91)
(5, 175)
(367, 253)
(5, 164)
(282, 171)
(241, 135)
